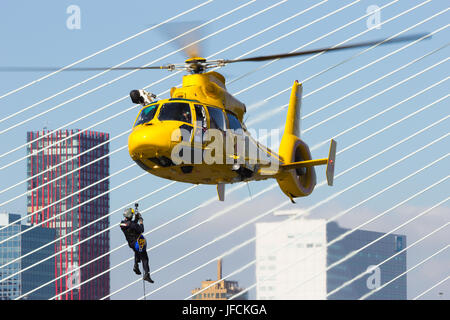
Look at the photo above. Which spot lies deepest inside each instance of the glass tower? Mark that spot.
(67, 171)
(13, 283)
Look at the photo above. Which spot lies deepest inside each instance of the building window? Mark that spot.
(398, 243)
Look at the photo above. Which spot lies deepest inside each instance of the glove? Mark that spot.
(138, 216)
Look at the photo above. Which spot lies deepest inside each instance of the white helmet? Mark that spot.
(128, 213)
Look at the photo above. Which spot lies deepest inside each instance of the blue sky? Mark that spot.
(35, 34)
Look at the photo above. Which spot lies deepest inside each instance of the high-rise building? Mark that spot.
(13, 282)
(69, 182)
(291, 261)
(222, 290)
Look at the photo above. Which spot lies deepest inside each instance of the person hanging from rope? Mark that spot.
(133, 230)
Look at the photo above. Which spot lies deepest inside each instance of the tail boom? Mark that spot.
(296, 176)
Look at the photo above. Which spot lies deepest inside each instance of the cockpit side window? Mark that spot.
(233, 122)
(176, 111)
(216, 118)
(146, 115)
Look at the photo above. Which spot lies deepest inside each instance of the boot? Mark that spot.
(136, 269)
(147, 278)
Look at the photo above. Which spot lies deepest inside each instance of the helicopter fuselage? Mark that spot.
(197, 136)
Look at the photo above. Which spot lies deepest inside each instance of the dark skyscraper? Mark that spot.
(67, 182)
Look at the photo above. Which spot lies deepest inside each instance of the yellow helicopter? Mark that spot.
(198, 135)
(201, 106)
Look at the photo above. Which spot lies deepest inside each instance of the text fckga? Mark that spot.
(215, 146)
(226, 310)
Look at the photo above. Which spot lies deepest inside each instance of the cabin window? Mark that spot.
(176, 111)
(233, 122)
(146, 115)
(216, 118)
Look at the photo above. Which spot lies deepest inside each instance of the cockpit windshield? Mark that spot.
(146, 114)
(178, 111)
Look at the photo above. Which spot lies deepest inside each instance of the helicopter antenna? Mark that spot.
(249, 192)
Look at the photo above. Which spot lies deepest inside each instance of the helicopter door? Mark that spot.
(201, 124)
(238, 153)
(200, 128)
(235, 147)
(217, 125)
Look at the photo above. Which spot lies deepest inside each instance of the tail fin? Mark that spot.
(294, 110)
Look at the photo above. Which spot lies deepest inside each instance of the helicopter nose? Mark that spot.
(148, 141)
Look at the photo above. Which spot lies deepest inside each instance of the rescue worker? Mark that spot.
(133, 230)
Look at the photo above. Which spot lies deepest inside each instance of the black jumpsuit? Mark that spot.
(133, 233)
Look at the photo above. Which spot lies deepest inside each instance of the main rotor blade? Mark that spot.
(344, 47)
(39, 69)
(185, 36)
